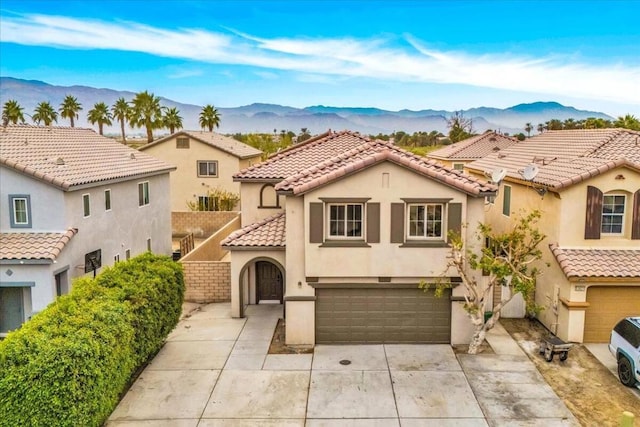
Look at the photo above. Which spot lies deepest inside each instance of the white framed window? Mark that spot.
(143, 193)
(346, 220)
(20, 215)
(613, 206)
(425, 221)
(107, 200)
(86, 205)
(116, 258)
(207, 203)
(208, 168)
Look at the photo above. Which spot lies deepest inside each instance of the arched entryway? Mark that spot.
(269, 282)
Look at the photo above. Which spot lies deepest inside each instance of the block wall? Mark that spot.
(207, 281)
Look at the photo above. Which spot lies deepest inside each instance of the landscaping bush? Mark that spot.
(69, 364)
(154, 286)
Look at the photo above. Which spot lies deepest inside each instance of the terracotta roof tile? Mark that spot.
(475, 147)
(268, 233)
(68, 157)
(224, 143)
(34, 246)
(603, 263)
(373, 152)
(301, 157)
(567, 157)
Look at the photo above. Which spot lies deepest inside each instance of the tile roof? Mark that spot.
(601, 263)
(300, 157)
(374, 152)
(224, 143)
(34, 246)
(265, 234)
(567, 157)
(475, 147)
(67, 157)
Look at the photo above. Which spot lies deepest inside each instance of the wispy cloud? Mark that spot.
(376, 58)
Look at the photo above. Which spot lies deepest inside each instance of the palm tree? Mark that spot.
(172, 119)
(528, 128)
(99, 114)
(629, 121)
(209, 117)
(146, 111)
(12, 113)
(120, 111)
(69, 108)
(541, 127)
(44, 112)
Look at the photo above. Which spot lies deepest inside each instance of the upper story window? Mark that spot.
(346, 220)
(458, 166)
(425, 221)
(107, 200)
(208, 168)
(506, 200)
(20, 210)
(613, 213)
(86, 205)
(182, 142)
(143, 193)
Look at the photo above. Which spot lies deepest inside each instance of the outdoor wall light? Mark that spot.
(299, 284)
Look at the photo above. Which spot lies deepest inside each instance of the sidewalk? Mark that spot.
(215, 371)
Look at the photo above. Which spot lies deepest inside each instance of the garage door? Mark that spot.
(387, 315)
(607, 305)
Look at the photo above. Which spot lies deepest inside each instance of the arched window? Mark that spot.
(268, 197)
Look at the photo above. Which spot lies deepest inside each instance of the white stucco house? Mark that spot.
(342, 229)
(71, 203)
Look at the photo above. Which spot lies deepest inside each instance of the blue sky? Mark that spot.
(391, 55)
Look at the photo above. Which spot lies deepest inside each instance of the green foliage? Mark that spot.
(12, 113)
(459, 127)
(101, 115)
(145, 111)
(45, 113)
(209, 117)
(69, 109)
(69, 364)
(267, 143)
(216, 200)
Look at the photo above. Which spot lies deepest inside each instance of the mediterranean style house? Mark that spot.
(476, 147)
(586, 183)
(205, 161)
(342, 229)
(71, 202)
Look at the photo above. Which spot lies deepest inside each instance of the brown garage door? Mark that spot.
(359, 316)
(607, 305)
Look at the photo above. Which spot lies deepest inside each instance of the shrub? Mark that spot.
(69, 364)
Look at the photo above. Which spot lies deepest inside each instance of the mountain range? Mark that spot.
(267, 118)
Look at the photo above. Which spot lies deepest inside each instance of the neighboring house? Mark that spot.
(476, 147)
(586, 183)
(342, 229)
(71, 202)
(205, 161)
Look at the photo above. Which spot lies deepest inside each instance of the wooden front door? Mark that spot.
(269, 282)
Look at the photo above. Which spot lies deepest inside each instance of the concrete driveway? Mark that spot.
(215, 371)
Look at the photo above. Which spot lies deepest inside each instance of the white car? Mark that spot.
(625, 347)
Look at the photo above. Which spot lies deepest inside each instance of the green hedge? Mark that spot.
(70, 363)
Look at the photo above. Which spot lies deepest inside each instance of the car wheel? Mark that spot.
(548, 355)
(625, 372)
(564, 355)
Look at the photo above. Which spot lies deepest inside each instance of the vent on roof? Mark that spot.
(502, 156)
(493, 139)
(133, 156)
(59, 161)
(496, 148)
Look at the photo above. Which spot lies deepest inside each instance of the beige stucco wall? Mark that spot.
(186, 185)
(252, 212)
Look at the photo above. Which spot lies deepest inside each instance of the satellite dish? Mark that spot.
(530, 172)
(498, 175)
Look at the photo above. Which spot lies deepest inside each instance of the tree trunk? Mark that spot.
(124, 139)
(149, 134)
(477, 340)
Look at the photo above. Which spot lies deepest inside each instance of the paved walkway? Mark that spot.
(215, 371)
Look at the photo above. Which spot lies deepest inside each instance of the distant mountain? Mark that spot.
(267, 118)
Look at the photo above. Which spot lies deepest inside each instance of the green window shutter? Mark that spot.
(635, 218)
(506, 205)
(373, 222)
(454, 218)
(397, 222)
(593, 220)
(316, 223)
